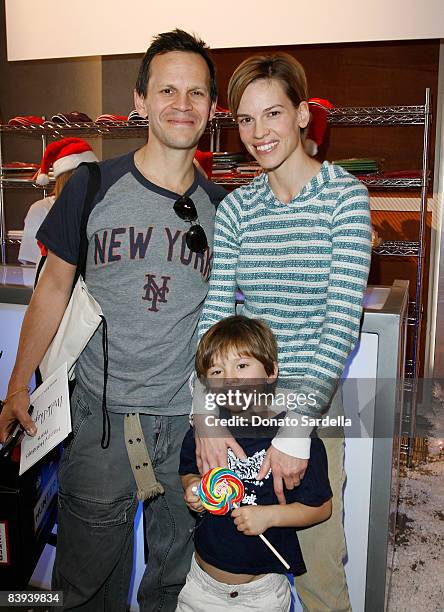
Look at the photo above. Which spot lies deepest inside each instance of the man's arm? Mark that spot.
(212, 442)
(39, 327)
(253, 520)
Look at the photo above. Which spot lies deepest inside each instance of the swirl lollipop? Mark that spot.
(220, 490)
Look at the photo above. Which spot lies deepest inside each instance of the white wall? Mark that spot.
(58, 28)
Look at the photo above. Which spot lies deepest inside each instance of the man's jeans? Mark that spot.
(97, 505)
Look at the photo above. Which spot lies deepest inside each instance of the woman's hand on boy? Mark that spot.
(284, 469)
(252, 520)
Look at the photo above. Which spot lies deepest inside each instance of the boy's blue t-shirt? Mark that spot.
(217, 539)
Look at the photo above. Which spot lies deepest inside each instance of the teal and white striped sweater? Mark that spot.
(302, 268)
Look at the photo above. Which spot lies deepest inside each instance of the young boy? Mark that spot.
(232, 567)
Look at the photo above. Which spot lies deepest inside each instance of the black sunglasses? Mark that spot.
(195, 237)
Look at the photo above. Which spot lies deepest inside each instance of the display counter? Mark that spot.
(373, 402)
(16, 283)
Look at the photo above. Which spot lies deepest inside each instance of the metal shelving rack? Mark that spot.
(54, 131)
(400, 116)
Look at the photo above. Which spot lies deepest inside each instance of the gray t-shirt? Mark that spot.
(150, 286)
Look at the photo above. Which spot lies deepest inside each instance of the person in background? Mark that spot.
(64, 156)
(297, 242)
(232, 568)
(150, 253)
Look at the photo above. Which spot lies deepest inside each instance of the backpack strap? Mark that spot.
(94, 182)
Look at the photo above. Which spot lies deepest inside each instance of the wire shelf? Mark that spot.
(408, 382)
(23, 183)
(409, 371)
(373, 182)
(377, 115)
(123, 129)
(398, 248)
(347, 115)
(234, 181)
(356, 115)
(391, 183)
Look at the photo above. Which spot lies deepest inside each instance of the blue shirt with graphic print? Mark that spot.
(217, 539)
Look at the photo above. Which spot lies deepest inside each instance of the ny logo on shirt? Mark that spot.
(155, 293)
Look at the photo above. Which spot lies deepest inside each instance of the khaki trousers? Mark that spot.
(202, 593)
(324, 587)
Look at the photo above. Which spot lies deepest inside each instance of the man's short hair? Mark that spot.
(249, 337)
(176, 40)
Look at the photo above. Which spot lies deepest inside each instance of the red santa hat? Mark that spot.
(317, 126)
(204, 159)
(64, 155)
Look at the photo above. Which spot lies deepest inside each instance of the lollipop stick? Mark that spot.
(274, 551)
(271, 547)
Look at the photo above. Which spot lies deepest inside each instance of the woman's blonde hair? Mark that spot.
(280, 66)
(61, 181)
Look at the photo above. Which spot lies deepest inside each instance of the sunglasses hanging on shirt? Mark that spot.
(195, 237)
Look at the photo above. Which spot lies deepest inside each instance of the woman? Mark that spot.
(63, 156)
(296, 240)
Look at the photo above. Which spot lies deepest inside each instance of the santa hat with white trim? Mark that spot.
(64, 155)
(317, 127)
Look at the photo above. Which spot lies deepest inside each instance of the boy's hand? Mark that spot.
(191, 497)
(252, 520)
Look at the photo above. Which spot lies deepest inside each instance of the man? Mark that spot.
(148, 267)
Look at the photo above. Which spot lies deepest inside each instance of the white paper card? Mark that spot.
(52, 417)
